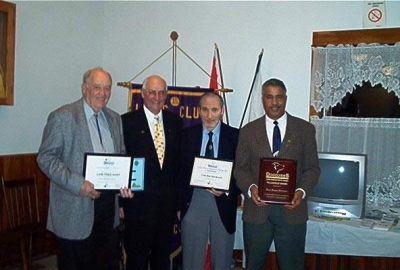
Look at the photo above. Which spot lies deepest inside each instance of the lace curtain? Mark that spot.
(337, 69)
(335, 72)
(379, 139)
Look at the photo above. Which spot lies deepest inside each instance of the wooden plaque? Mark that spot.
(277, 180)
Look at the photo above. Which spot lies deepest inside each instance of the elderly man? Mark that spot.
(152, 133)
(208, 213)
(83, 220)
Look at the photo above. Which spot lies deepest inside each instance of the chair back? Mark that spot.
(21, 200)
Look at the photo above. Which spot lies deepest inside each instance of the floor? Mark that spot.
(50, 263)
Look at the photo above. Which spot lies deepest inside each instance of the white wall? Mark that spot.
(58, 41)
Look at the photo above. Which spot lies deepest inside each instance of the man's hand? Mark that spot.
(298, 196)
(215, 192)
(126, 193)
(87, 190)
(121, 213)
(254, 196)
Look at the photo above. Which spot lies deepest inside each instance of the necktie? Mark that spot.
(276, 139)
(96, 116)
(209, 147)
(159, 140)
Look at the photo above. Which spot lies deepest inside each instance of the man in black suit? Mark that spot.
(207, 213)
(150, 214)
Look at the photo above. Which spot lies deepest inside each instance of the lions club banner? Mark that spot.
(183, 101)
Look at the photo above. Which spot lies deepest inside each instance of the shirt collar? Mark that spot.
(89, 111)
(150, 116)
(215, 131)
(281, 120)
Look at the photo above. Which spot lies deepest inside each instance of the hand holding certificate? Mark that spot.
(108, 171)
(211, 173)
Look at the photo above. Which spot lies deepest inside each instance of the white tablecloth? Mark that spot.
(340, 238)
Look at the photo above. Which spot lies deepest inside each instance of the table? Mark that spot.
(339, 238)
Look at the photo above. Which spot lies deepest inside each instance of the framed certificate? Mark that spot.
(108, 171)
(137, 178)
(211, 173)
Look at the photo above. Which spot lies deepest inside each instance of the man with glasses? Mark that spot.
(152, 133)
(83, 220)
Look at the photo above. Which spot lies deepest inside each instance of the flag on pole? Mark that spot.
(213, 85)
(214, 76)
(254, 102)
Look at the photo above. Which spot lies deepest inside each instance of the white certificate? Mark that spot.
(108, 171)
(210, 173)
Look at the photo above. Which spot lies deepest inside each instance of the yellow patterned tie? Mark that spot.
(159, 140)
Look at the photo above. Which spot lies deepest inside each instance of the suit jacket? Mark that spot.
(66, 138)
(298, 144)
(160, 185)
(191, 147)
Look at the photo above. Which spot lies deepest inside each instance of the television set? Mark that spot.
(340, 191)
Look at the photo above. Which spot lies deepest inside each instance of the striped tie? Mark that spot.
(159, 140)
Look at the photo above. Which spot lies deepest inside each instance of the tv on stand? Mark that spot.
(340, 191)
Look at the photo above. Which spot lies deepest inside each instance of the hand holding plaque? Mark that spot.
(277, 180)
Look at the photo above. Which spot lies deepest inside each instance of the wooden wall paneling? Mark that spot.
(311, 262)
(355, 37)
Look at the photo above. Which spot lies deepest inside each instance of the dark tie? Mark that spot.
(276, 141)
(96, 116)
(209, 148)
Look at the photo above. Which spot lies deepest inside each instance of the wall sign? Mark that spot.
(374, 14)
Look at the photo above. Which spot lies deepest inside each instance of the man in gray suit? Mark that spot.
(83, 220)
(263, 222)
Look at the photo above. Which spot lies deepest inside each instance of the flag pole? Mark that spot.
(252, 86)
(222, 83)
(174, 37)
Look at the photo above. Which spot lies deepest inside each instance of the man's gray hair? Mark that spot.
(86, 75)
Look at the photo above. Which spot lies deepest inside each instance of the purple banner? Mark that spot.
(183, 101)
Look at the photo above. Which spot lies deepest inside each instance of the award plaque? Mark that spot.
(137, 178)
(277, 180)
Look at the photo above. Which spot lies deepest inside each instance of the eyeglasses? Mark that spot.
(98, 87)
(161, 93)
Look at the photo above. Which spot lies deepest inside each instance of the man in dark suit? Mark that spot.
(207, 213)
(83, 220)
(286, 225)
(150, 214)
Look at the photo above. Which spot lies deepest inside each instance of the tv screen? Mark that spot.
(339, 179)
(340, 191)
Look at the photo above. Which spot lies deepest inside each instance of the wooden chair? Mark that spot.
(22, 208)
(13, 250)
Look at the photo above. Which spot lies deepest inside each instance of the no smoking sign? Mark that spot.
(374, 13)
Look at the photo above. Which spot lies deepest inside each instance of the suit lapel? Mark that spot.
(261, 138)
(289, 135)
(84, 126)
(113, 128)
(145, 131)
(224, 141)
